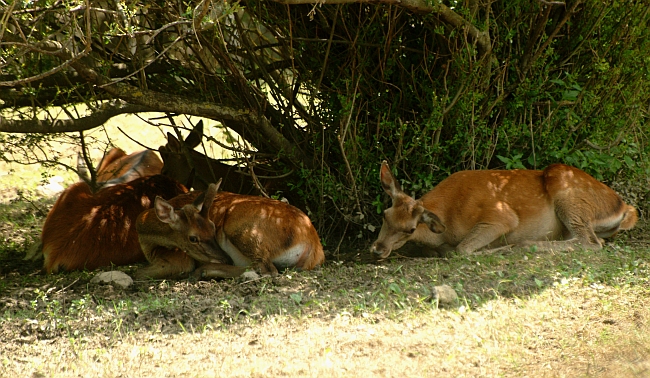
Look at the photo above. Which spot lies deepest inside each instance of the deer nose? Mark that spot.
(376, 248)
(380, 250)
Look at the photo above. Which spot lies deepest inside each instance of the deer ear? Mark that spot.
(173, 145)
(388, 182)
(432, 221)
(165, 211)
(204, 208)
(194, 137)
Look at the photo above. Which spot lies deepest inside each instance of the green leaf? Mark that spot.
(297, 297)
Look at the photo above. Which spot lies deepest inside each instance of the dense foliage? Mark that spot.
(334, 89)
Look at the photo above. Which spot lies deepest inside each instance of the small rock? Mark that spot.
(250, 275)
(116, 277)
(445, 295)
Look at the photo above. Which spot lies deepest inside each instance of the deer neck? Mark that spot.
(153, 233)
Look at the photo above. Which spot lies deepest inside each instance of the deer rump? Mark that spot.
(560, 207)
(86, 231)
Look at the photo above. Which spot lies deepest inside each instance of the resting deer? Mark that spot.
(559, 208)
(116, 167)
(86, 230)
(218, 235)
(180, 160)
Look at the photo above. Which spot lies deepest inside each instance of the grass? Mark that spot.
(520, 314)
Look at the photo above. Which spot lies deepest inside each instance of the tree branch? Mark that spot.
(97, 118)
(446, 14)
(163, 102)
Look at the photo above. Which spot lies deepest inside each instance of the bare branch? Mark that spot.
(52, 47)
(552, 2)
(163, 102)
(613, 144)
(47, 126)
(44, 74)
(445, 13)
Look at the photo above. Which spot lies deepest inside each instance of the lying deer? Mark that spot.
(116, 167)
(559, 208)
(218, 235)
(181, 160)
(86, 230)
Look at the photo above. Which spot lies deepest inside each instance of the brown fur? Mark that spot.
(560, 207)
(86, 231)
(249, 231)
(116, 167)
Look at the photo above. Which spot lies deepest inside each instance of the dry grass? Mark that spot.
(520, 314)
(563, 315)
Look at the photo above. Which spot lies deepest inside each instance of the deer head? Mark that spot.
(402, 219)
(188, 228)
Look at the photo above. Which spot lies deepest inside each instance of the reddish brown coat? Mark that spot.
(116, 167)
(248, 230)
(559, 207)
(86, 231)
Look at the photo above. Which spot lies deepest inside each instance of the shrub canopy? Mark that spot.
(334, 87)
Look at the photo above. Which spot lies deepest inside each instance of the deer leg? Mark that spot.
(265, 267)
(580, 227)
(213, 270)
(495, 224)
(167, 263)
(481, 235)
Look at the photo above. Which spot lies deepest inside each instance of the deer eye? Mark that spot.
(193, 239)
(411, 231)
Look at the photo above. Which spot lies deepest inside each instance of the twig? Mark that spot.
(551, 2)
(135, 141)
(67, 287)
(601, 148)
(162, 53)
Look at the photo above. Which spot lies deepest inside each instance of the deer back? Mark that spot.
(253, 229)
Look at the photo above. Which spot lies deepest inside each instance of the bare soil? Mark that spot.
(519, 314)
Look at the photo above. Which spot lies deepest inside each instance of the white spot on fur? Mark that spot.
(289, 257)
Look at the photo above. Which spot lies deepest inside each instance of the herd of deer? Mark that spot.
(139, 212)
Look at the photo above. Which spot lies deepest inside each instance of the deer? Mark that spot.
(88, 230)
(558, 208)
(116, 167)
(180, 161)
(215, 234)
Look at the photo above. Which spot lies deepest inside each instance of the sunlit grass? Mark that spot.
(128, 132)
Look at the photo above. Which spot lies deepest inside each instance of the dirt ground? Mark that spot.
(519, 314)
